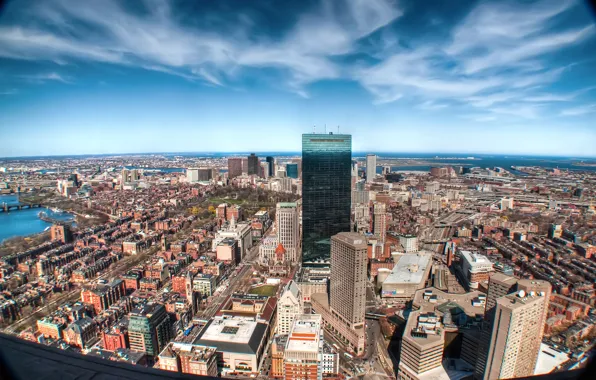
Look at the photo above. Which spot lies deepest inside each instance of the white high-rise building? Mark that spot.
(287, 226)
(371, 167)
(265, 166)
(192, 175)
(290, 305)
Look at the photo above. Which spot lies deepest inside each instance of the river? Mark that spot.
(24, 222)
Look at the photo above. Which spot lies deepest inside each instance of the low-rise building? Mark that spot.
(189, 358)
(476, 268)
(303, 354)
(409, 275)
(240, 343)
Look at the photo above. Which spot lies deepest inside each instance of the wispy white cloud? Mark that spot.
(45, 77)
(11, 91)
(578, 111)
(430, 105)
(494, 60)
(480, 118)
(519, 110)
(157, 41)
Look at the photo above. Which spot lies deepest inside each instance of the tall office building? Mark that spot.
(421, 347)
(516, 335)
(192, 175)
(371, 167)
(343, 310)
(354, 168)
(265, 169)
(271, 161)
(298, 161)
(326, 197)
(348, 277)
(499, 285)
(244, 165)
(288, 229)
(494, 359)
(234, 167)
(379, 220)
(149, 329)
(253, 165)
(292, 170)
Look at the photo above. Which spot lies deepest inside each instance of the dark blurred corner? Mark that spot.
(591, 4)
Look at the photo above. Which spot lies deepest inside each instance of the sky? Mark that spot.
(86, 77)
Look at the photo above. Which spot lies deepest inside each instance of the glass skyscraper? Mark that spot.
(326, 193)
(271, 161)
(292, 170)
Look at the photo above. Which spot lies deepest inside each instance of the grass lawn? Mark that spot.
(228, 200)
(265, 290)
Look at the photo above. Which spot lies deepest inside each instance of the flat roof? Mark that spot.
(286, 204)
(409, 269)
(464, 301)
(230, 330)
(305, 334)
(423, 340)
(475, 259)
(355, 239)
(549, 359)
(233, 334)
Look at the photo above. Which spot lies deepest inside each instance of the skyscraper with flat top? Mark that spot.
(326, 196)
(371, 167)
(271, 161)
(253, 165)
(516, 335)
(234, 167)
(347, 296)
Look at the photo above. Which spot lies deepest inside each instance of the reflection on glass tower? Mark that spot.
(326, 195)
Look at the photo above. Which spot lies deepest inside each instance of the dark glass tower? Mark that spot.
(253, 164)
(271, 162)
(326, 195)
(292, 170)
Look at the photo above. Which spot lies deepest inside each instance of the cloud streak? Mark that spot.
(495, 60)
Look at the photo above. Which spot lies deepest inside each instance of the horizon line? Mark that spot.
(469, 154)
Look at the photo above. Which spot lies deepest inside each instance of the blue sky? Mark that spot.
(82, 77)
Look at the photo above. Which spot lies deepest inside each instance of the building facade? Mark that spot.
(343, 315)
(371, 167)
(326, 196)
(271, 161)
(516, 336)
(253, 165)
(149, 329)
(287, 225)
(304, 349)
(234, 167)
(290, 305)
(292, 170)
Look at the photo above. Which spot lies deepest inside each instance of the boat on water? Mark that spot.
(56, 210)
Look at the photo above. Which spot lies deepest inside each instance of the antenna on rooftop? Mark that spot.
(325, 131)
(338, 129)
(314, 129)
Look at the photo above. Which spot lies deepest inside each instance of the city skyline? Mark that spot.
(397, 76)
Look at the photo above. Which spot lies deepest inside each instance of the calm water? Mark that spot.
(24, 222)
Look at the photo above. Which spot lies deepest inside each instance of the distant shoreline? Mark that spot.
(355, 154)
